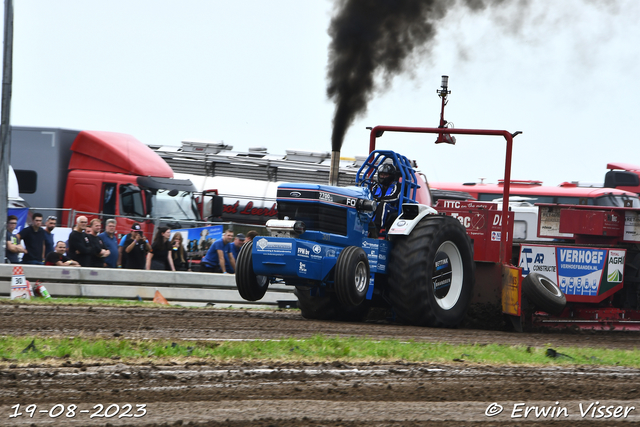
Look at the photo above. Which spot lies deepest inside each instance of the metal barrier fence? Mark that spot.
(131, 284)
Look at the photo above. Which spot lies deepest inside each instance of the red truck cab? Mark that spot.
(100, 174)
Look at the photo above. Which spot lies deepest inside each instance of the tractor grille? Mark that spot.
(316, 216)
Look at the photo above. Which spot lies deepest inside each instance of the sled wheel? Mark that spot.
(543, 293)
(431, 273)
(315, 307)
(351, 279)
(250, 286)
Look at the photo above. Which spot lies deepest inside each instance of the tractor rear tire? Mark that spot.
(352, 276)
(250, 286)
(543, 293)
(432, 273)
(328, 307)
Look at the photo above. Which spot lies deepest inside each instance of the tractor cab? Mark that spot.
(406, 176)
(392, 182)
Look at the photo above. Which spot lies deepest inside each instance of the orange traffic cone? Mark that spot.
(159, 299)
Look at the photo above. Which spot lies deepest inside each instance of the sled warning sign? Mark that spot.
(20, 288)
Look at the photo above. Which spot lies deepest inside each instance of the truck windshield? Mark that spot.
(178, 205)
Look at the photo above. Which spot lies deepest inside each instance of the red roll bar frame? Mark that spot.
(506, 226)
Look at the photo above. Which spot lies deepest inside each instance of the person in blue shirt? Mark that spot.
(217, 258)
(110, 241)
(234, 250)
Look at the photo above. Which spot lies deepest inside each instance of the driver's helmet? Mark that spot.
(387, 174)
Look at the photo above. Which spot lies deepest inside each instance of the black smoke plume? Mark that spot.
(376, 37)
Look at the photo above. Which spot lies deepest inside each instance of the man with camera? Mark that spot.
(135, 249)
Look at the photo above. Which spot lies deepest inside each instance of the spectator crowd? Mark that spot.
(87, 246)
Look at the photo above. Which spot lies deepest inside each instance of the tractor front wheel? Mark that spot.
(250, 286)
(431, 273)
(352, 276)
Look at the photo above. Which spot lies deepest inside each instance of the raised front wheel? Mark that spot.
(250, 286)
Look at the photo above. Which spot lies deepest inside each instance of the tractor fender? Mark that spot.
(412, 213)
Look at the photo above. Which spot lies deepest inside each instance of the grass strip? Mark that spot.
(318, 348)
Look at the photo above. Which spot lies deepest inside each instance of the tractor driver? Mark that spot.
(386, 192)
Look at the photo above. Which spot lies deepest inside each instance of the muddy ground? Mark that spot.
(300, 394)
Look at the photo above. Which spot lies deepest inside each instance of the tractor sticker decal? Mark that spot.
(317, 252)
(312, 195)
(377, 254)
(369, 245)
(309, 251)
(262, 243)
(325, 196)
(303, 252)
(441, 275)
(265, 245)
(371, 249)
(615, 266)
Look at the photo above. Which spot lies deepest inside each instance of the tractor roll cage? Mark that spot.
(506, 225)
(408, 179)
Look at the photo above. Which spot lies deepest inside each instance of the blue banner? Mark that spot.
(197, 241)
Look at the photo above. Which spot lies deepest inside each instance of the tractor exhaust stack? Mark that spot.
(334, 170)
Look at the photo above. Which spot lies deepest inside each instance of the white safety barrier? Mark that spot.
(130, 284)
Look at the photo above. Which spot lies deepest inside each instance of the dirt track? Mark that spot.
(334, 394)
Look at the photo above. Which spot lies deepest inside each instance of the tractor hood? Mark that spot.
(345, 196)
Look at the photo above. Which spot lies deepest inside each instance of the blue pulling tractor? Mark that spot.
(430, 266)
(324, 243)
